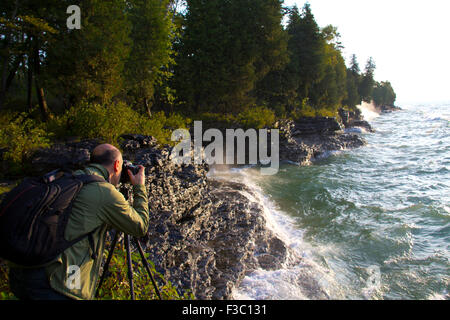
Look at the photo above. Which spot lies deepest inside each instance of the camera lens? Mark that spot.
(127, 165)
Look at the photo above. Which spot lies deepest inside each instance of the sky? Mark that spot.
(408, 39)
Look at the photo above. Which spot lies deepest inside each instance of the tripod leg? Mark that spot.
(108, 260)
(130, 266)
(147, 267)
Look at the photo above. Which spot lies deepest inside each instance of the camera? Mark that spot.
(127, 165)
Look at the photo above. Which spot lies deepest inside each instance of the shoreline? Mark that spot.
(207, 234)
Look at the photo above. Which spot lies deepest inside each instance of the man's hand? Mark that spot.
(139, 178)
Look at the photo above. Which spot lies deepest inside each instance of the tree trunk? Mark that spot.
(42, 102)
(4, 79)
(30, 85)
(8, 81)
(39, 90)
(147, 107)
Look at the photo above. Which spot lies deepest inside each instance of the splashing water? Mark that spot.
(369, 111)
(370, 223)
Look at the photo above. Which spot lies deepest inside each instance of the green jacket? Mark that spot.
(97, 207)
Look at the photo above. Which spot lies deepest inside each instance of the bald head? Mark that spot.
(106, 155)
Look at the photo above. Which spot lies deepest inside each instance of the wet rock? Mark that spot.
(388, 109)
(352, 119)
(304, 141)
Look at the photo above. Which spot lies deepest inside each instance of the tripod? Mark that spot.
(129, 264)
(126, 240)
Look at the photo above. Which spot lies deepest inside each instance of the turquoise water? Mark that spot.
(370, 223)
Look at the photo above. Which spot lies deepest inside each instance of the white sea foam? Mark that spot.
(300, 277)
(369, 111)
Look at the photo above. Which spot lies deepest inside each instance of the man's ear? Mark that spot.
(116, 166)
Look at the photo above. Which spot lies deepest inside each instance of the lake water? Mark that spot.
(369, 223)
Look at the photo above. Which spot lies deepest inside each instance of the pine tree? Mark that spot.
(227, 47)
(151, 51)
(27, 28)
(353, 82)
(306, 45)
(88, 64)
(330, 91)
(367, 82)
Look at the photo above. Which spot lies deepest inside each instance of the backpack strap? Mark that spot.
(87, 179)
(92, 244)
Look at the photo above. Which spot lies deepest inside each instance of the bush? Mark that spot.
(20, 136)
(90, 121)
(5, 293)
(251, 118)
(256, 118)
(108, 123)
(161, 127)
(307, 111)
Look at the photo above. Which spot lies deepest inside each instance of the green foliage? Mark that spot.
(331, 90)
(252, 118)
(367, 81)
(161, 126)
(117, 287)
(21, 135)
(4, 189)
(383, 94)
(5, 293)
(307, 50)
(256, 118)
(151, 54)
(307, 111)
(138, 57)
(89, 63)
(353, 98)
(221, 57)
(108, 123)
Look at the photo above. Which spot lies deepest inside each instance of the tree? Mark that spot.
(227, 47)
(367, 82)
(88, 64)
(306, 45)
(354, 66)
(383, 94)
(353, 98)
(151, 53)
(331, 90)
(26, 31)
(353, 82)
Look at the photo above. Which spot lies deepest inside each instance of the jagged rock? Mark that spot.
(316, 126)
(388, 109)
(360, 124)
(71, 156)
(305, 141)
(135, 141)
(352, 119)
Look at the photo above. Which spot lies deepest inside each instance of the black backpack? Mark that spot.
(34, 215)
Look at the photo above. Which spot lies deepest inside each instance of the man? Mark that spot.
(74, 274)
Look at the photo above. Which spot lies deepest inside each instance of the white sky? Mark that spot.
(408, 39)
